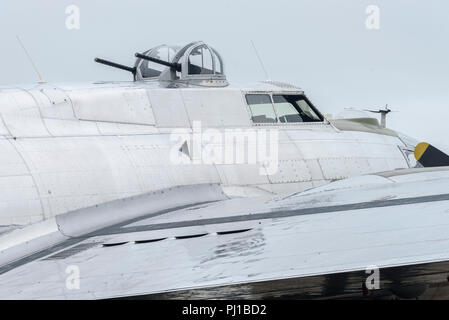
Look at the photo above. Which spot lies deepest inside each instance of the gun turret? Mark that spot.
(194, 64)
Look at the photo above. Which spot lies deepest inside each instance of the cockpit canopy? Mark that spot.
(195, 63)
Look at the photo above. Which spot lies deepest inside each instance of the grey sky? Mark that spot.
(322, 46)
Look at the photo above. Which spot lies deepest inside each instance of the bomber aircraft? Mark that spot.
(178, 185)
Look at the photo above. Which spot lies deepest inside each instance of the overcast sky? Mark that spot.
(323, 46)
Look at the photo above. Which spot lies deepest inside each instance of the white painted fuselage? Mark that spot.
(64, 148)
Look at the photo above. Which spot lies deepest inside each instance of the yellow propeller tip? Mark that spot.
(420, 149)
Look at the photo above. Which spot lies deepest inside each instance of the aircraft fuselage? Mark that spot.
(69, 147)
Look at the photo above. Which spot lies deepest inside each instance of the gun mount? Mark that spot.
(194, 64)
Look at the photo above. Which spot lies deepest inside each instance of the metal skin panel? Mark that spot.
(121, 105)
(241, 174)
(111, 155)
(18, 102)
(325, 231)
(25, 127)
(77, 172)
(19, 199)
(150, 156)
(168, 107)
(20, 114)
(20, 202)
(109, 128)
(216, 107)
(54, 103)
(3, 130)
(11, 164)
(7, 102)
(350, 154)
(70, 128)
(290, 171)
(287, 188)
(80, 172)
(340, 168)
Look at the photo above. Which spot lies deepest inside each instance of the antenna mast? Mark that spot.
(41, 80)
(261, 63)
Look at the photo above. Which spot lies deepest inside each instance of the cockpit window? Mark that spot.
(261, 108)
(295, 108)
(200, 61)
(285, 111)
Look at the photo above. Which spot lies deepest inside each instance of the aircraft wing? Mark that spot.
(324, 242)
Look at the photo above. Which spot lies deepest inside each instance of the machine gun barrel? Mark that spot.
(175, 66)
(115, 65)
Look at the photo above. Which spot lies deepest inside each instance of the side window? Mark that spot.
(261, 108)
(295, 108)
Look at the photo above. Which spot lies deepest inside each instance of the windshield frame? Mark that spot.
(323, 119)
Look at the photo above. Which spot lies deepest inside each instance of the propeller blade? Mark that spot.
(429, 156)
(373, 111)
